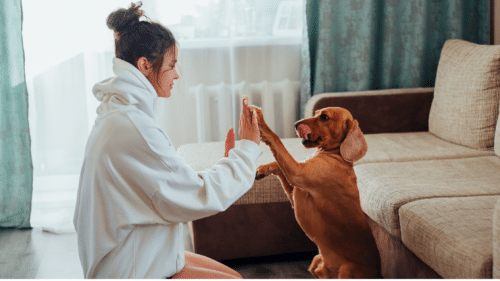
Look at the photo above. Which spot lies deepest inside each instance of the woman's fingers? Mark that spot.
(230, 142)
(245, 110)
(255, 120)
(244, 113)
(249, 128)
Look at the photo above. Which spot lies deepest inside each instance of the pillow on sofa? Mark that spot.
(466, 95)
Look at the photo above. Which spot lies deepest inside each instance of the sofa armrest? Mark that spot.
(496, 241)
(381, 111)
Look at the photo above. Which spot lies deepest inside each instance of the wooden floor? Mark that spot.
(35, 254)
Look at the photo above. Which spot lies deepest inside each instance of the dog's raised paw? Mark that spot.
(259, 176)
(262, 172)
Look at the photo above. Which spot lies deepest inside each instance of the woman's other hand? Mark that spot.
(229, 144)
(249, 127)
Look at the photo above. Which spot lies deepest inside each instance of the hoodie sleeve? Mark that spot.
(181, 194)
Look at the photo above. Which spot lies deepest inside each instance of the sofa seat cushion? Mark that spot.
(385, 187)
(401, 147)
(454, 236)
(466, 94)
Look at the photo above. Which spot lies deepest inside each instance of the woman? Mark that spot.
(134, 192)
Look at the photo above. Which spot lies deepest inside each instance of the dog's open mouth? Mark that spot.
(304, 132)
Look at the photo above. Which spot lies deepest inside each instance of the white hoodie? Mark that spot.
(135, 193)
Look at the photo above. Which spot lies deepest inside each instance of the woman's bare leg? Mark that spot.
(201, 267)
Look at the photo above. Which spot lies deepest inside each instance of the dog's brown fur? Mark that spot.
(324, 194)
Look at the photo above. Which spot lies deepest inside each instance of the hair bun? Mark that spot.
(122, 19)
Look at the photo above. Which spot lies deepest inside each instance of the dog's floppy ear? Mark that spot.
(354, 145)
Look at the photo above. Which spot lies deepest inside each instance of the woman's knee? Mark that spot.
(189, 272)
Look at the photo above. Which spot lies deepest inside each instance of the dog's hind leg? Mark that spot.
(273, 168)
(319, 270)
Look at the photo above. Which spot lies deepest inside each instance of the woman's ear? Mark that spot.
(144, 66)
(354, 145)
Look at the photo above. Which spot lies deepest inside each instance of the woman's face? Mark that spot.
(164, 82)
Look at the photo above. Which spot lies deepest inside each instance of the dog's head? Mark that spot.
(331, 129)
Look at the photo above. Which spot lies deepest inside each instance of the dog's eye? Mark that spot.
(324, 117)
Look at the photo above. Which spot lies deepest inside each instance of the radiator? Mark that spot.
(218, 107)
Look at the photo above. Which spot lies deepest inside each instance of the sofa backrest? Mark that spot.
(467, 94)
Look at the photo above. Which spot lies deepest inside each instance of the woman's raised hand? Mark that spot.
(249, 127)
(230, 142)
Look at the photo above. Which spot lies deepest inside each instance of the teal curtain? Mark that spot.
(16, 168)
(359, 45)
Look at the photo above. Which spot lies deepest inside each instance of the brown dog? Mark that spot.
(324, 194)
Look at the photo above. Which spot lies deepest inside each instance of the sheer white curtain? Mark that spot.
(68, 49)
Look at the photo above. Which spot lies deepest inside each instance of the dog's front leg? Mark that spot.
(273, 168)
(292, 170)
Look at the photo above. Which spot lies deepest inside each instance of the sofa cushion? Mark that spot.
(454, 236)
(385, 187)
(466, 94)
(402, 147)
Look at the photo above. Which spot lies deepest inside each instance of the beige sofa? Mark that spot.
(429, 183)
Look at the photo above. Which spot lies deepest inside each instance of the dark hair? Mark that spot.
(135, 39)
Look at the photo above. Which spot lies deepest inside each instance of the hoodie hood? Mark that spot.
(128, 89)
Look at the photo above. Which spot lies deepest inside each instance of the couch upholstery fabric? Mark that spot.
(496, 241)
(385, 187)
(385, 104)
(452, 235)
(402, 147)
(397, 260)
(466, 94)
(279, 232)
(497, 137)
